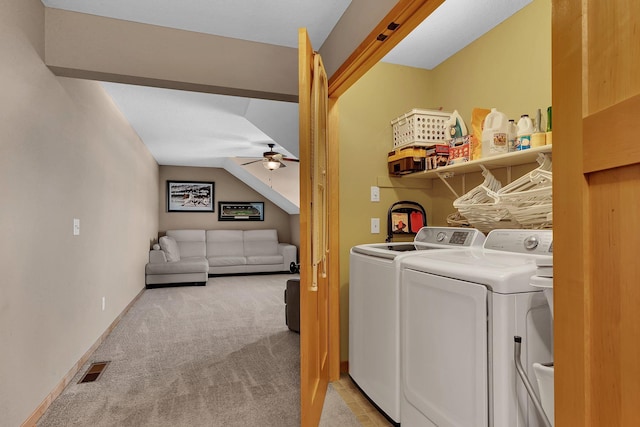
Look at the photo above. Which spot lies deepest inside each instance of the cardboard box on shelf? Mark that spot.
(406, 160)
(460, 150)
(437, 155)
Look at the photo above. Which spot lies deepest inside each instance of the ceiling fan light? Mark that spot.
(271, 164)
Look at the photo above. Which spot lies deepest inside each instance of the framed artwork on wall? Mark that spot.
(400, 222)
(190, 196)
(240, 211)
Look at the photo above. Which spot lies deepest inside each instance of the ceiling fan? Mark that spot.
(272, 160)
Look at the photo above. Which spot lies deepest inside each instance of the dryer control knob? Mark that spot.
(531, 242)
(441, 236)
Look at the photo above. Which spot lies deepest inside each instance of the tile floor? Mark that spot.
(366, 413)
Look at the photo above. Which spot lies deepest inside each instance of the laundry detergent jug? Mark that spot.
(525, 129)
(495, 134)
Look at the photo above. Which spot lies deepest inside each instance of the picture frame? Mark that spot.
(240, 211)
(190, 196)
(400, 223)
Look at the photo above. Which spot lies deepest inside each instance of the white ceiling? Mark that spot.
(197, 129)
(449, 29)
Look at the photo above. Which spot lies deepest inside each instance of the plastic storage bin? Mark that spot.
(420, 127)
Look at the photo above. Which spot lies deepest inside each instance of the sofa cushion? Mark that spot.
(260, 242)
(219, 261)
(170, 248)
(190, 242)
(185, 265)
(265, 259)
(225, 243)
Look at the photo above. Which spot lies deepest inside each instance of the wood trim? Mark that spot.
(571, 223)
(408, 14)
(312, 385)
(344, 367)
(333, 189)
(608, 140)
(42, 408)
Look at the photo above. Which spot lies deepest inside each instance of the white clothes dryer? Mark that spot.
(460, 311)
(374, 318)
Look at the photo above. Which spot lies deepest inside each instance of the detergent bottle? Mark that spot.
(538, 135)
(495, 134)
(525, 129)
(512, 134)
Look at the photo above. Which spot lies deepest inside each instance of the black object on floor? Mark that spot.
(294, 268)
(292, 304)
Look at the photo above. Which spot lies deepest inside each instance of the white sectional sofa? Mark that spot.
(190, 256)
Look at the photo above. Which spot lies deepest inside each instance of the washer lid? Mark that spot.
(502, 272)
(392, 250)
(426, 239)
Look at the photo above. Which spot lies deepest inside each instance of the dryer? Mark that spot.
(460, 311)
(374, 303)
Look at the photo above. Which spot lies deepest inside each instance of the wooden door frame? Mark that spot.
(569, 207)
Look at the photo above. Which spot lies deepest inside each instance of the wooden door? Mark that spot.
(314, 233)
(596, 155)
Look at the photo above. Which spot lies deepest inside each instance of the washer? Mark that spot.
(460, 311)
(374, 319)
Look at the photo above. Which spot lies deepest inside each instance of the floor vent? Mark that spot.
(94, 372)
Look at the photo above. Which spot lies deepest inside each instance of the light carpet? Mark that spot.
(215, 355)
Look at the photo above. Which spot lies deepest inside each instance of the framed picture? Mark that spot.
(190, 196)
(400, 222)
(240, 211)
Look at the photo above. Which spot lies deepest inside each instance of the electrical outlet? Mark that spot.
(375, 225)
(375, 194)
(76, 227)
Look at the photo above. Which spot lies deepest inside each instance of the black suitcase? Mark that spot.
(292, 304)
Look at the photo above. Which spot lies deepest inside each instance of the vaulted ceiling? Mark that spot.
(214, 124)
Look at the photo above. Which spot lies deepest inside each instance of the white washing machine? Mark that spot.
(460, 311)
(374, 319)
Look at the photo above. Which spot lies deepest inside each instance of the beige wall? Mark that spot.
(366, 111)
(65, 152)
(227, 189)
(508, 68)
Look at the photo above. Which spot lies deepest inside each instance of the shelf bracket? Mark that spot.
(443, 176)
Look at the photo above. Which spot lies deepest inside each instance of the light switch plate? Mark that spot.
(76, 227)
(375, 225)
(375, 194)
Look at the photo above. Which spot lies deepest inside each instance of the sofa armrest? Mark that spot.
(157, 256)
(288, 252)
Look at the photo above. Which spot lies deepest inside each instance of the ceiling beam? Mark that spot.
(87, 46)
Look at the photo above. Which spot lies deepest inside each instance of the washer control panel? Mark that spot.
(450, 236)
(539, 242)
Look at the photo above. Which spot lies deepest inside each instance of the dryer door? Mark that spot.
(444, 351)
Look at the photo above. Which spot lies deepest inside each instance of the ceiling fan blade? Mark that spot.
(252, 161)
(286, 159)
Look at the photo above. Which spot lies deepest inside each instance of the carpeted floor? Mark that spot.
(217, 355)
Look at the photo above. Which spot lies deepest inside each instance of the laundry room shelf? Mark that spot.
(499, 161)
